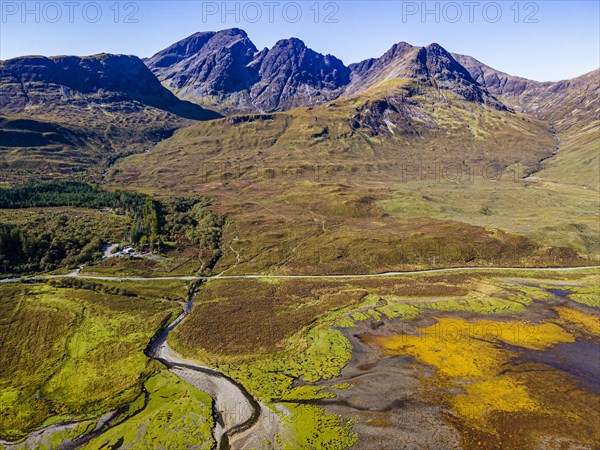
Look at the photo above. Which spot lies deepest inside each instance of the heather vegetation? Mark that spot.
(548, 214)
(176, 416)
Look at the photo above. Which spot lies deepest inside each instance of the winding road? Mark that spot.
(77, 274)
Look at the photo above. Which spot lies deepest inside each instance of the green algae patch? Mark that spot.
(55, 440)
(275, 380)
(177, 415)
(313, 428)
(586, 295)
(488, 305)
(71, 354)
(345, 322)
(326, 354)
(395, 310)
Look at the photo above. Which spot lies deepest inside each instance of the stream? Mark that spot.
(236, 410)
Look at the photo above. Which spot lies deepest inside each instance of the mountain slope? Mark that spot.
(572, 107)
(395, 125)
(413, 105)
(95, 106)
(563, 103)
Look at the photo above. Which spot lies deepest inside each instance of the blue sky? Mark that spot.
(544, 40)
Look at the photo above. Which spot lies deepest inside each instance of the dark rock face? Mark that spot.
(227, 67)
(293, 75)
(443, 65)
(448, 74)
(207, 64)
(44, 84)
(359, 69)
(496, 82)
(384, 117)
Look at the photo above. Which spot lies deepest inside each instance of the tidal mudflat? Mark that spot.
(460, 379)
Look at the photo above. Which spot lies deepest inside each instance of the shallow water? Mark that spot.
(580, 359)
(560, 292)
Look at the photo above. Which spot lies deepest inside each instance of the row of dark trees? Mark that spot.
(50, 245)
(73, 193)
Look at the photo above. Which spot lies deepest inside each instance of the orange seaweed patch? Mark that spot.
(573, 318)
(479, 377)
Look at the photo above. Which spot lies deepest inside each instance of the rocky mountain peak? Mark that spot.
(206, 63)
(443, 64)
(225, 68)
(432, 66)
(399, 49)
(291, 75)
(291, 58)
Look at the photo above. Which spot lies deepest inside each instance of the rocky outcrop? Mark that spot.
(430, 66)
(207, 64)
